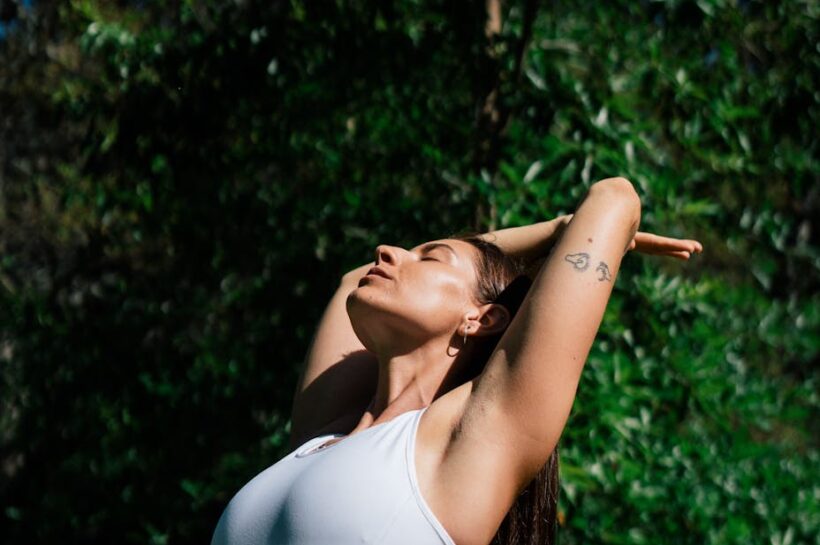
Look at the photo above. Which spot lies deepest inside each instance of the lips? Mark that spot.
(375, 271)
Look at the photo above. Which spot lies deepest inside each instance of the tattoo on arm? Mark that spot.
(580, 261)
(604, 270)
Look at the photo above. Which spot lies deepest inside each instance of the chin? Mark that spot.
(373, 318)
(359, 297)
(367, 304)
(364, 306)
(362, 319)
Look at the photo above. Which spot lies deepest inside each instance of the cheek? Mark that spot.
(441, 300)
(432, 304)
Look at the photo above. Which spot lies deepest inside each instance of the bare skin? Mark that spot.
(478, 443)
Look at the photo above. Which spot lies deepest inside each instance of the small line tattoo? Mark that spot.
(580, 261)
(604, 270)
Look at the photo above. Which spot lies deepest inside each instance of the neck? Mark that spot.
(409, 381)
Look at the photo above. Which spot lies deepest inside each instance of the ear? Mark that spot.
(493, 319)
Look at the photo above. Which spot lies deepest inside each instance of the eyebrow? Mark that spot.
(429, 247)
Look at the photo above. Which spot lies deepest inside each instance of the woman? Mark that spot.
(428, 404)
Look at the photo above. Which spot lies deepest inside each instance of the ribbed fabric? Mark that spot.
(361, 490)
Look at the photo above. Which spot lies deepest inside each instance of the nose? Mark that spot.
(387, 254)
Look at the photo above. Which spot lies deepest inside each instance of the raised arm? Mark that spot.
(339, 376)
(518, 407)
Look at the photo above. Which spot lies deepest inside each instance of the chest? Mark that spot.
(360, 490)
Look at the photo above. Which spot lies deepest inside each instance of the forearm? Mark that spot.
(351, 278)
(529, 242)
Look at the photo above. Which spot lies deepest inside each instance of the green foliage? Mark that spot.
(183, 183)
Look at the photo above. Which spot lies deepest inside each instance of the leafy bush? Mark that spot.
(183, 184)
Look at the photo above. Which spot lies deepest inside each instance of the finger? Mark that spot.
(692, 246)
(651, 243)
(678, 254)
(656, 243)
(645, 238)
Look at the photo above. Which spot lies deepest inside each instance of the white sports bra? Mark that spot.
(360, 490)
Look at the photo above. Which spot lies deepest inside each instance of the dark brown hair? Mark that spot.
(532, 519)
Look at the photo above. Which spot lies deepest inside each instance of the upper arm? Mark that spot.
(339, 375)
(519, 405)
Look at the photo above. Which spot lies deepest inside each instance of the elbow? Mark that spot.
(620, 192)
(616, 187)
(352, 277)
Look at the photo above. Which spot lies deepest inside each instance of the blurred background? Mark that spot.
(183, 182)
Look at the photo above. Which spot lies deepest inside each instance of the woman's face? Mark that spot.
(417, 294)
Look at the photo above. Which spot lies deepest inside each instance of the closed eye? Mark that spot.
(428, 259)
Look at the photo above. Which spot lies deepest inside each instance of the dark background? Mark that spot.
(182, 183)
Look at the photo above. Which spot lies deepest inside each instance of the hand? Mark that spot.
(647, 243)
